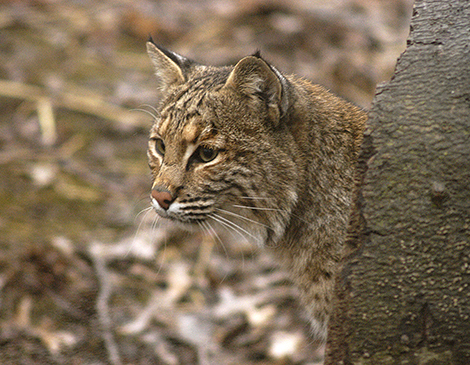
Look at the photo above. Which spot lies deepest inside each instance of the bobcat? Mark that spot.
(250, 149)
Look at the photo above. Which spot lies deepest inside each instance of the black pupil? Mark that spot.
(207, 154)
(160, 146)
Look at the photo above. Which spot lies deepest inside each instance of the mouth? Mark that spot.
(160, 211)
(189, 225)
(176, 216)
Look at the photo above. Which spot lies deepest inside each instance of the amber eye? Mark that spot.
(207, 154)
(160, 146)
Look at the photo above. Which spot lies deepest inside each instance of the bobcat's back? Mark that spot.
(273, 157)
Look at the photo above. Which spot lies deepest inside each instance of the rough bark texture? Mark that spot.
(404, 297)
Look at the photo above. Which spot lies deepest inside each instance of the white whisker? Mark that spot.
(242, 217)
(144, 111)
(162, 256)
(146, 210)
(152, 107)
(272, 210)
(254, 198)
(235, 227)
(205, 228)
(217, 237)
(155, 222)
(228, 226)
(214, 233)
(258, 208)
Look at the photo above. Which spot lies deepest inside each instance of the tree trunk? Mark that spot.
(404, 296)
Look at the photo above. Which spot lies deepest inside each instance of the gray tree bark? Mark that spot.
(404, 296)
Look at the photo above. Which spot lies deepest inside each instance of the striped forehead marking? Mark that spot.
(162, 128)
(189, 135)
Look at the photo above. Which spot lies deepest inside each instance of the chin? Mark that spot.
(187, 226)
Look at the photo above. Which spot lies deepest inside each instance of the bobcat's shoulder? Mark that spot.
(248, 149)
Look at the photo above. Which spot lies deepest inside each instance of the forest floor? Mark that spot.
(86, 277)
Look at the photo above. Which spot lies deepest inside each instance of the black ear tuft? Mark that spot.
(183, 62)
(179, 60)
(257, 54)
(170, 68)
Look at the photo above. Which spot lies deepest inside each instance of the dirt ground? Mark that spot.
(86, 276)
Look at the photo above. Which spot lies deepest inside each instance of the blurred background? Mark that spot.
(86, 276)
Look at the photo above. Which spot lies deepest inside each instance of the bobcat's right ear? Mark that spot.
(170, 68)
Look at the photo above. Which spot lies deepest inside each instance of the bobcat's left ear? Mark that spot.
(170, 68)
(254, 77)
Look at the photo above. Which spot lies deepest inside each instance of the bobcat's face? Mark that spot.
(213, 148)
(188, 156)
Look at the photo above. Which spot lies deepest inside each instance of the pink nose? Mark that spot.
(163, 198)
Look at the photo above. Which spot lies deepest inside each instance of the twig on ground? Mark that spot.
(88, 103)
(46, 121)
(102, 306)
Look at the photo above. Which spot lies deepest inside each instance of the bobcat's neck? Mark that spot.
(328, 133)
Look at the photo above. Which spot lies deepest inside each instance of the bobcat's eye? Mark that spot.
(160, 146)
(207, 154)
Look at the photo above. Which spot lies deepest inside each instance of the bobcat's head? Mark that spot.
(220, 151)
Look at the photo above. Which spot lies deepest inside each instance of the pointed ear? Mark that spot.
(255, 78)
(170, 68)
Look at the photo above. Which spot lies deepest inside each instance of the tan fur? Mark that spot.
(284, 167)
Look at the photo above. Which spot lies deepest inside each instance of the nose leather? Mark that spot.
(163, 198)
